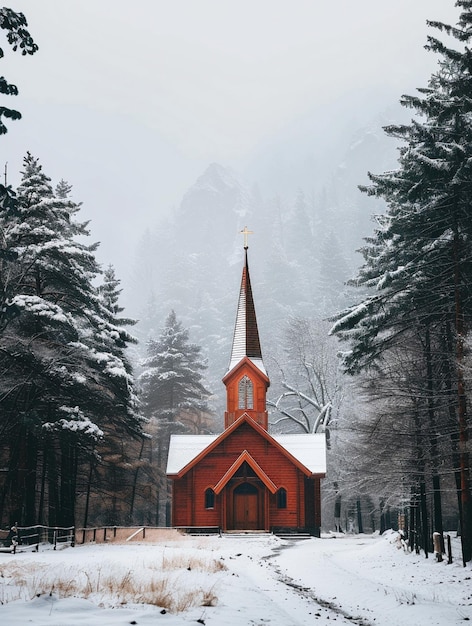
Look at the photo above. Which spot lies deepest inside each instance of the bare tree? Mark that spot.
(310, 378)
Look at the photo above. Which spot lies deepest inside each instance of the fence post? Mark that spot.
(437, 546)
(449, 550)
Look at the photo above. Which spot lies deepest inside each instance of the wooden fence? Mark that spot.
(30, 537)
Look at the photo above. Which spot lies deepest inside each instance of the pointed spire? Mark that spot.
(246, 335)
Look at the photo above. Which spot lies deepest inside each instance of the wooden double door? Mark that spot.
(247, 507)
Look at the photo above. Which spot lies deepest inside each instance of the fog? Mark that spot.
(131, 101)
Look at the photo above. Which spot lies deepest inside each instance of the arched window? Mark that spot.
(209, 499)
(245, 393)
(282, 498)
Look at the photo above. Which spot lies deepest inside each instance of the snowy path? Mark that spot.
(328, 608)
(363, 580)
(382, 586)
(264, 595)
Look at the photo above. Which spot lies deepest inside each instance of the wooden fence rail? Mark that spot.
(21, 537)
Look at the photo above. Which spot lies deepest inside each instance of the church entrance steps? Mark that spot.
(294, 536)
(199, 530)
(231, 534)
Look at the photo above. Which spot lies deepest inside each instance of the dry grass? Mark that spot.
(182, 561)
(180, 581)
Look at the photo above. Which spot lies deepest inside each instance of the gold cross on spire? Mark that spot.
(246, 232)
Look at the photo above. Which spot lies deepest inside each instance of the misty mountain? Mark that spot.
(189, 263)
(300, 255)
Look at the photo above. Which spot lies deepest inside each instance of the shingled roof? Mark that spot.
(246, 335)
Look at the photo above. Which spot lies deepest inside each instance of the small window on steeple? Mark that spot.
(245, 393)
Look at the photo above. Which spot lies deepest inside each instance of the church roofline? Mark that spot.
(244, 418)
(259, 368)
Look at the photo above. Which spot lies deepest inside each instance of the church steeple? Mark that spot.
(246, 380)
(246, 334)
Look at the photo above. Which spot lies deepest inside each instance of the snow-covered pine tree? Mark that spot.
(173, 393)
(110, 309)
(115, 471)
(109, 292)
(418, 264)
(63, 380)
(172, 380)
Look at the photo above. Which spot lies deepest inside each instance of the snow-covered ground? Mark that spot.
(257, 580)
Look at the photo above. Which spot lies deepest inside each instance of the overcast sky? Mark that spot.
(129, 101)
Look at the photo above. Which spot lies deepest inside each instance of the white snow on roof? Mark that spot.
(257, 362)
(309, 450)
(184, 448)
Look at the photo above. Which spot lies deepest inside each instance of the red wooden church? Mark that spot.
(246, 478)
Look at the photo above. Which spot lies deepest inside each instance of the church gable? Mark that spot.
(244, 434)
(250, 368)
(246, 389)
(267, 461)
(247, 434)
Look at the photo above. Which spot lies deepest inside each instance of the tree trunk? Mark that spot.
(68, 480)
(135, 482)
(412, 530)
(17, 476)
(87, 497)
(53, 492)
(422, 511)
(31, 461)
(433, 438)
(424, 518)
(383, 527)
(360, 527)
(448, 350)
(466, 510)
(417, 526)
(42, 495)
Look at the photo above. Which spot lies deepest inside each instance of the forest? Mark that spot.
(376, 355)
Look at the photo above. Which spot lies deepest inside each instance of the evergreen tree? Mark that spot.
(419, 259)
(65, 379)
(117, 465)
(110, 293)
(172, 377)
(172, 390)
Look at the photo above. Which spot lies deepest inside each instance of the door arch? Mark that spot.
(247, 507)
